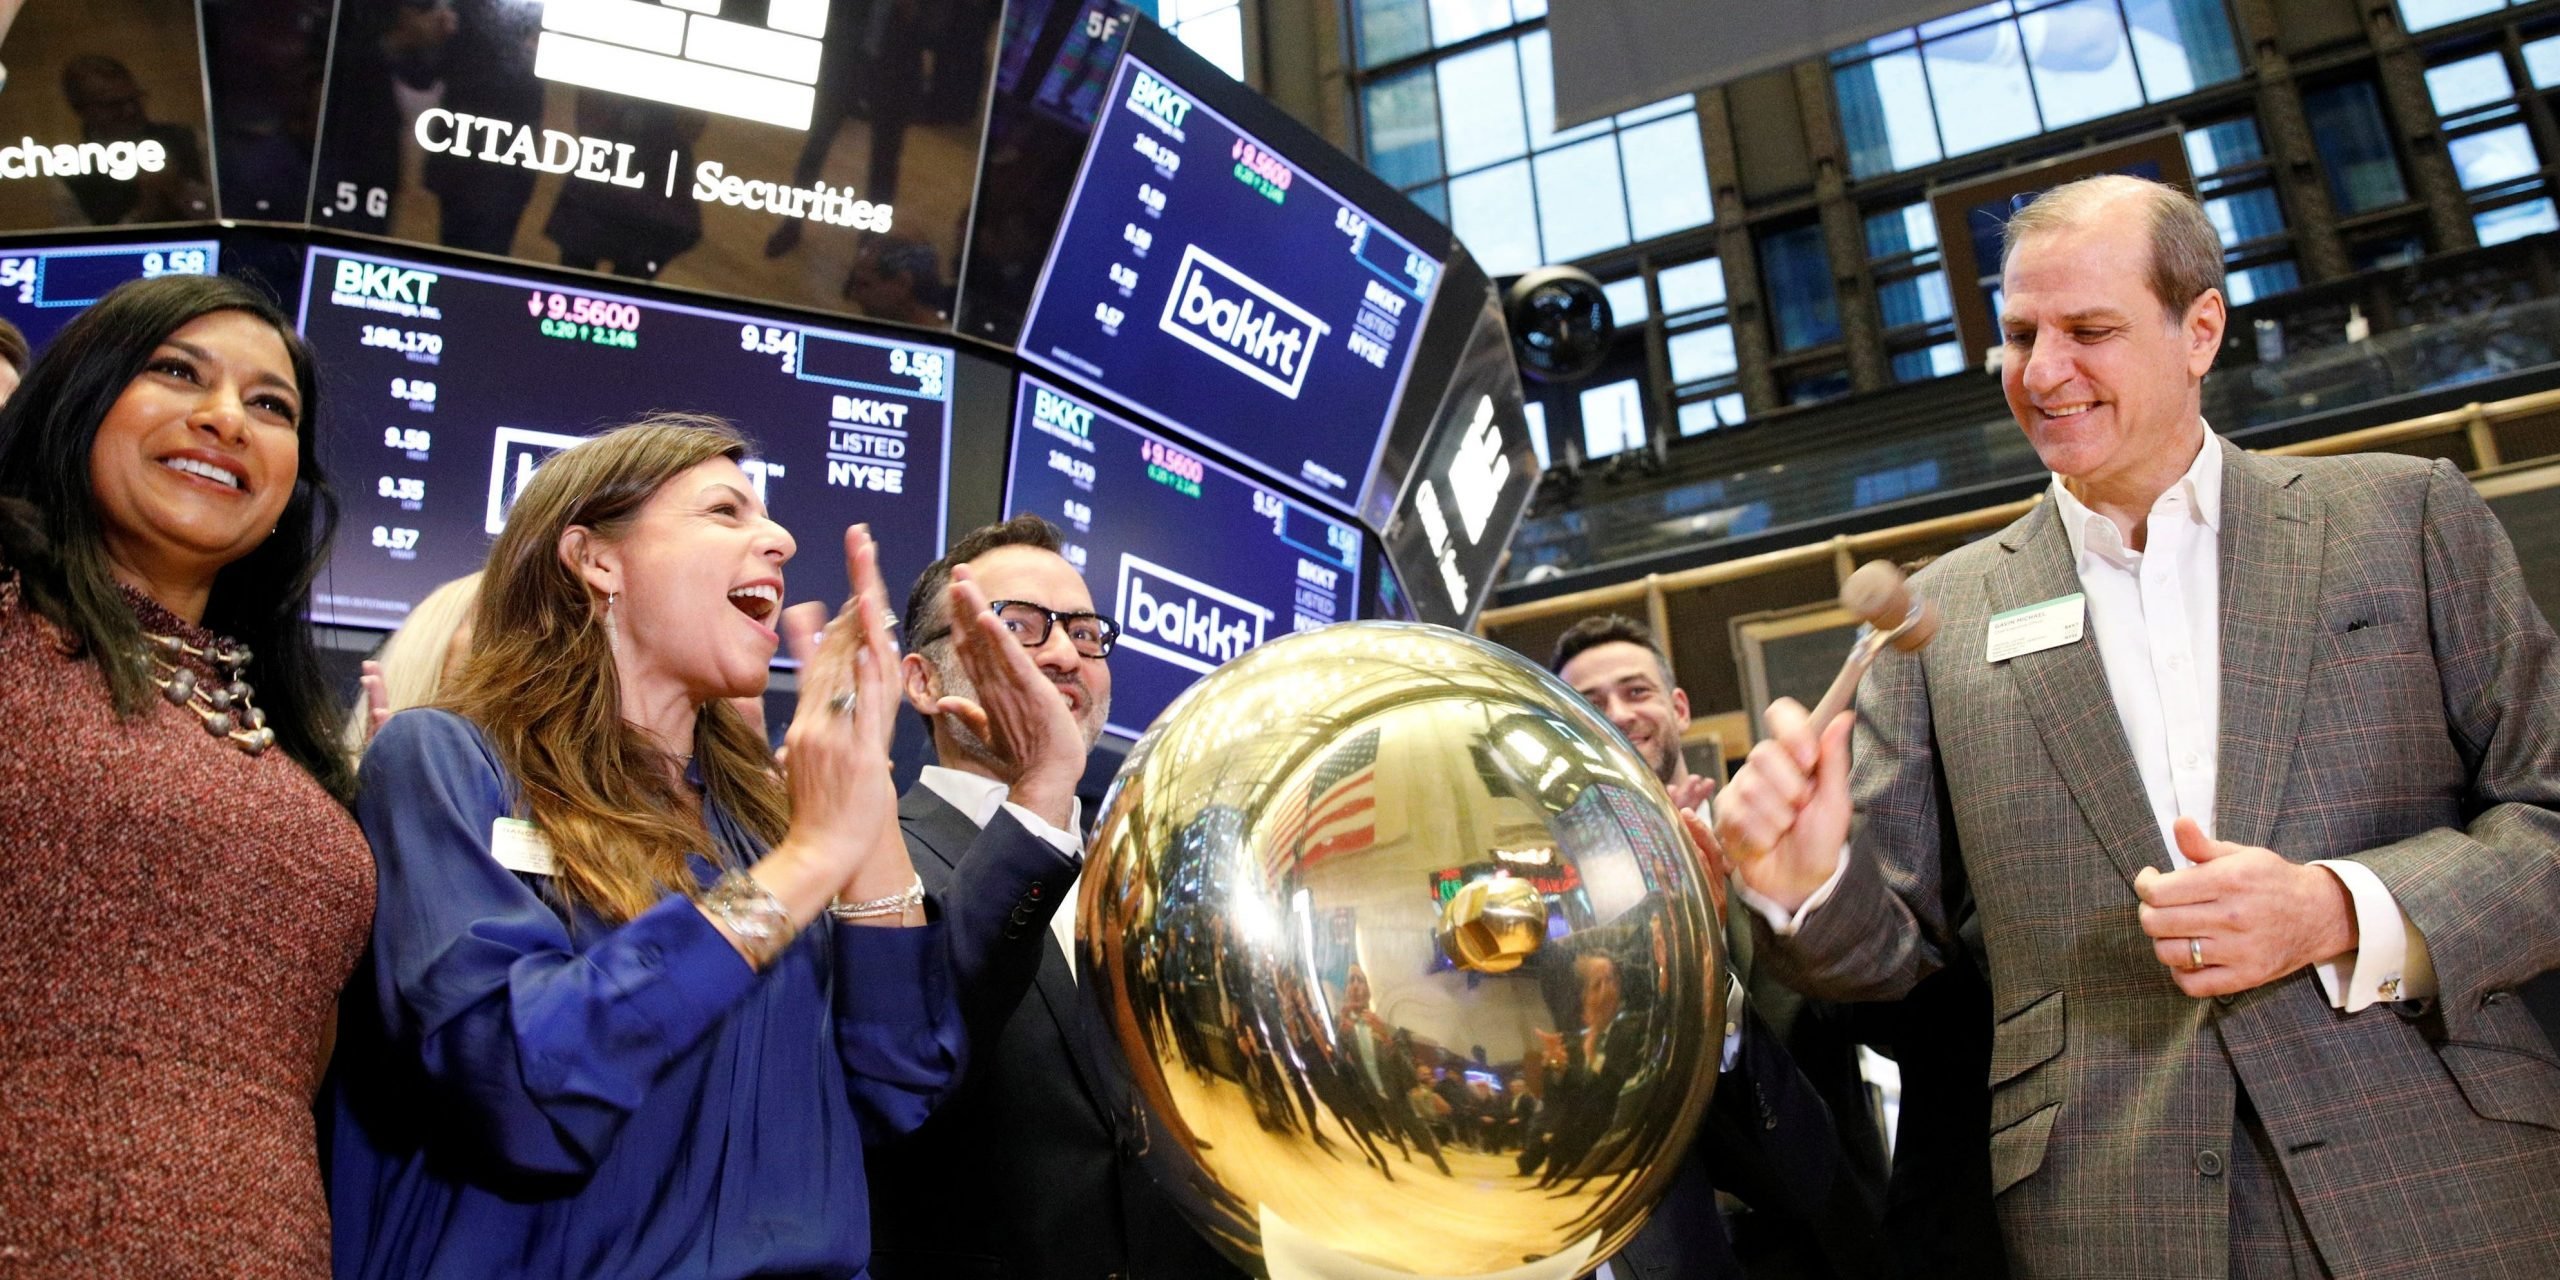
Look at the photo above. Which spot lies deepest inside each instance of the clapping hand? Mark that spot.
(1019, 712)
(844, 807)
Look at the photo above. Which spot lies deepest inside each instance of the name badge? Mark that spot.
(2036, 627)
(518, 847)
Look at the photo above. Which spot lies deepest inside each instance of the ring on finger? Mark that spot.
(2195, 954)
(842, 703)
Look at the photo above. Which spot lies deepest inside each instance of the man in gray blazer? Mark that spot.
(2249, 769)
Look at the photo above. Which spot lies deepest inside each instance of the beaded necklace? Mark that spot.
(224, 707)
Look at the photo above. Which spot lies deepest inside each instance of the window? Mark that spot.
(1911, 294)
(1816, 386)
(1536, 412)
(2008, 71)
(1698, 341)
(2495, 155)
(2421, 15)
(1796, 274)
(1627, 305)
(1612, 418)
(1214, 29)
(1390, 30)
(1699, 416)
(2237, 185)
(1472, 137)
(2355, 147)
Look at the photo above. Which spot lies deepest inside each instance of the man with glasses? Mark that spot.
(1030, 1169)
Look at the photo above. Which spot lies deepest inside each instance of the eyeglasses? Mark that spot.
(1091, 633)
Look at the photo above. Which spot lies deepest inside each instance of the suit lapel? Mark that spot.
(2270, 579)
(944, 832)
(1057, 987)
(2065, 692)
(947, 833)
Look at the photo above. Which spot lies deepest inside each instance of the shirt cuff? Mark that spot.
(2390, 961)
(1781, 923)
(1063, 841)
(1734, 998)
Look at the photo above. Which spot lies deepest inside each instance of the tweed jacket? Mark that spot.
(2389, 694)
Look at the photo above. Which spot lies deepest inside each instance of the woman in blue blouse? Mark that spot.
(635, 999)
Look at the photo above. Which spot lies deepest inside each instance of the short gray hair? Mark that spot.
(2186, 252)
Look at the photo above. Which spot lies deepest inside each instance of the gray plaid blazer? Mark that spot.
(2389, 694)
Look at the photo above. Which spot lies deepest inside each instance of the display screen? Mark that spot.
(443, 388)
(1474, 476)
(1220, 286)
(1198, 563)
(42, 288)
(103, 120)
(1054, 64)
(817, 153)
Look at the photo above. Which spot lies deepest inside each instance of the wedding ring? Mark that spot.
(842, 703)
(2195, 954)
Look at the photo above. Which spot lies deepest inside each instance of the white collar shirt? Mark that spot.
(2156, 618)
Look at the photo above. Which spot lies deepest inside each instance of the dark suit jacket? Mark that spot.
(1770, 1141)
(2389, 694)
(1029, 1170)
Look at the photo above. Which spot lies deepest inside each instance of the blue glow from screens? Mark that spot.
(1197, 562)
(41, 288)
(448, 387)
(1212, 283)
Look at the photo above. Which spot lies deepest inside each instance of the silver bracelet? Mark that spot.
(750, 911)
(896, 904)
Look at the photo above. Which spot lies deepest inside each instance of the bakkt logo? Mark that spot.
(515, 452)
(1185, 622)
(1246, 327)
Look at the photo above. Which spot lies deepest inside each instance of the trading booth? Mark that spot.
(944, 265)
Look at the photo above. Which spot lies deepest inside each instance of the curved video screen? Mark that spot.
(816, 153)
(1197, 562)
(1220, 286)
(444, 388)
(104, 116)
(42, 287)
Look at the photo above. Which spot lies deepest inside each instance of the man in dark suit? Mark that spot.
(2249, 768)
(1030, 1170)
(1804, 1161)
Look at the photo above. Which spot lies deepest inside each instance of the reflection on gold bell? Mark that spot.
(1408, 958)
(1493, 924)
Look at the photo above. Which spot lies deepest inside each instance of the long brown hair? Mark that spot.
(540, 681)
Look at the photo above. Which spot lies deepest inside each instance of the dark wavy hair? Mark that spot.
(51, 534)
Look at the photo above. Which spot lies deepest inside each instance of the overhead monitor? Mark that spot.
(443, 387)
(816, 153)
(42, 287)
(1475, 471)
(103, 120)
(1198, 562)
(1215, 274)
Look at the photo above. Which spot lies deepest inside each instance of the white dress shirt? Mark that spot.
(2155, 615)
(978, 798)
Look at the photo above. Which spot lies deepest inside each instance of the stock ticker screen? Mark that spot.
(1219, 286)
(445, 387)
(1197, 562)
(42, 288)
